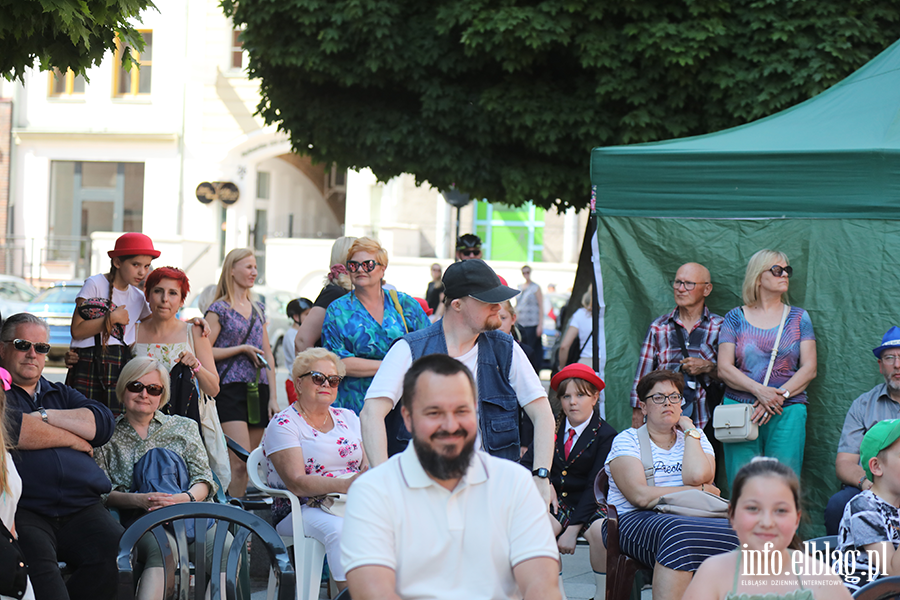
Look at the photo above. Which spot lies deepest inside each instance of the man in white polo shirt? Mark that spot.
(441, 519)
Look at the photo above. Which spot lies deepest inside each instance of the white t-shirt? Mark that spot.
(443, 544)
(8, 502)
(97, 286)
(581, 320)
(287, 346)
(666, 463)
(388, 381)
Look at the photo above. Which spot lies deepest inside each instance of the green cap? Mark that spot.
(882, 435)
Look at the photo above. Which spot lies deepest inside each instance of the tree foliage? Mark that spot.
(66, 34)
(505, 98)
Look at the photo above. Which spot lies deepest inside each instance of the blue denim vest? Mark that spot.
(498, 406)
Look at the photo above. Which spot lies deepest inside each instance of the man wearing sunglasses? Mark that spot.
(54, 429)
(685, 340)
(468, 246)
(506, 380)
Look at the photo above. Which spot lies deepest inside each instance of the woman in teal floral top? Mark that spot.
(361, 326)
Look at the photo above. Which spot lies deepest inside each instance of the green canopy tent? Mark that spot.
(820, 182)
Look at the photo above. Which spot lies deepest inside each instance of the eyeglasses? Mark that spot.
(320, 378)
(778, 271)
(471, 253)
(367, 266)
(137, 387)
(25, 346)
(662, 398)
(688, 285)
(890, 358)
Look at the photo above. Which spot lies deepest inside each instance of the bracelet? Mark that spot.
(861, 481)
(197, 368)
(191, 496)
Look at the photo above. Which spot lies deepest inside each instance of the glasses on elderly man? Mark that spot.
(136, 387)
(320, 378)
(367, 266)
(688, 285)
(25, 346)
(892, 359)
(663, 398)
(778, 271)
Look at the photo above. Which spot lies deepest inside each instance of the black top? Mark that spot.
(329, 294)
(433, 294)
(584, 463)
(57, 482)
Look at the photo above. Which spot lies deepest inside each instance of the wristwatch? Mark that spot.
(786, 393)
(542, 473)
(43, 412)
(693, 432)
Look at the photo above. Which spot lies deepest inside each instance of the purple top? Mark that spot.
(234, 328)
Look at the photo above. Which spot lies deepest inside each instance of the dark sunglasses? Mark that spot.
(137, 387)
(367, 266)
(471, 253)
(320, 378)
(25, 346)
(777, 270)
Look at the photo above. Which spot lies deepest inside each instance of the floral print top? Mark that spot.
(234, 328)
(179, 434)
(349, 330)
(335, 453)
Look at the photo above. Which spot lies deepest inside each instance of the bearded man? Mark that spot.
(442, 519)
(506, 380)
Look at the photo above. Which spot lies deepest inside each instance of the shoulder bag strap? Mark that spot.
(680, 334)
(784, 315)
(393, 295)
(585, 343)
(646, 454)
(243, 341)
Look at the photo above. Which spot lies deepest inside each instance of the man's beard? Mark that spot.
(439, 466)
(493, 323)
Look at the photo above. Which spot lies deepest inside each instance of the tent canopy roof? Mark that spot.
(835, 155)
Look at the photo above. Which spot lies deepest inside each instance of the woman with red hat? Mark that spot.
(106, 310)
(583, 440)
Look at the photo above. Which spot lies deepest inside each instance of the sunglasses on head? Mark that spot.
(367, 266)
(777, 270)
(25, 346)
(320, 378)
(137, 387)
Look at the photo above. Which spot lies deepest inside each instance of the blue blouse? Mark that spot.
(349, 330)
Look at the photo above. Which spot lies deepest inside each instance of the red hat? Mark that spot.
(425, 307)
(578, 371)
(134, 244)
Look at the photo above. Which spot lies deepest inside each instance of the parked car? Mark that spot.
(56, 305)
(277, 321)
(554, 305)
(15, 295)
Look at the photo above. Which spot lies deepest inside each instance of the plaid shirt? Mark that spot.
(661, 350)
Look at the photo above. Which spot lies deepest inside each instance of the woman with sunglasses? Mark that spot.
(143, 388)
(683, 459)
(361, 326)
(746, 342)
(313, 449)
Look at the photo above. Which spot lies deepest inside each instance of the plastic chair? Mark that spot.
(309, 553)
(620, 569)
(253, 500)
(886, 588)
(168, 527)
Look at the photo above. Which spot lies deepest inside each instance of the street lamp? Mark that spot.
(456, 198)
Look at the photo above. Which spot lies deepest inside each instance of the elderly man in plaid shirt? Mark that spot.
(685, 339)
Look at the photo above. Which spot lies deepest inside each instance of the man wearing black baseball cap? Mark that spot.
(505, 378)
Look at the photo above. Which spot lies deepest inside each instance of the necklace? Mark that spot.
(306, 416)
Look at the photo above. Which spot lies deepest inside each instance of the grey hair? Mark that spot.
(11, 324)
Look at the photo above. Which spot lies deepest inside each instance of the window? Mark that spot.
(262, 185)
(65, 84)
(509, 232)
(237, 49)
(137, 81)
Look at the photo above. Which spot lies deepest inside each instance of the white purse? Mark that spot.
(731, 422)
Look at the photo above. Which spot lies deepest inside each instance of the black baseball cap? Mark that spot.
(476, 279)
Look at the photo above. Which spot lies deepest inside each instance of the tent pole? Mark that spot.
(595, 293)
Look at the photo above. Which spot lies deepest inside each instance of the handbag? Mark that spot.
(13, 568)
(686, 503)
(731, 422)
(333, 504)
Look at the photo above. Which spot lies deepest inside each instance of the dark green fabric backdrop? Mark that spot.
(845, 275)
